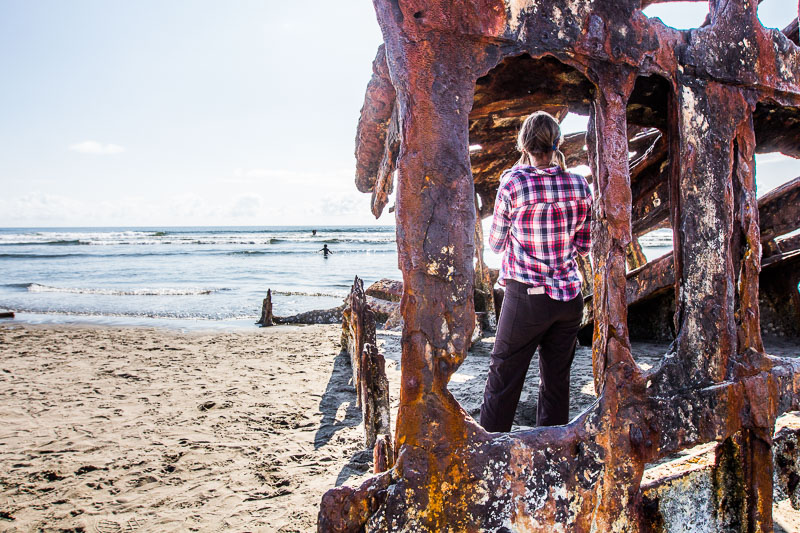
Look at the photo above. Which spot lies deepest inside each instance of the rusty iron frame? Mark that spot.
(715, 384)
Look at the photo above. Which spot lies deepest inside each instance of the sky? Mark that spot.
(200, 112)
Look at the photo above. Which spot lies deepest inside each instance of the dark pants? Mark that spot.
(528, 321)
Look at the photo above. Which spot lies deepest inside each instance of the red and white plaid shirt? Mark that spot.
(542, 218)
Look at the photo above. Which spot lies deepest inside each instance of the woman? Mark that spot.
(542, 218)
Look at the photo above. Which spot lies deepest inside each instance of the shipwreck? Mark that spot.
(675, 120)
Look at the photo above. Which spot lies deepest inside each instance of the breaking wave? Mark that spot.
(200, 236)
(303, 293)
(184, 291)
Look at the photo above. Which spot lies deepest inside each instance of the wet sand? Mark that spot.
(123, 429)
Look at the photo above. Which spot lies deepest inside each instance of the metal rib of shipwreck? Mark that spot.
(649, 288)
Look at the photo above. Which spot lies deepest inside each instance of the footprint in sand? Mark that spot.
(133, 524)
(110, 526)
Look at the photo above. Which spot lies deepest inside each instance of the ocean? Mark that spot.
(194, 277)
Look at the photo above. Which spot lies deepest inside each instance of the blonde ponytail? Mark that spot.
(559, 159)
(540, 135)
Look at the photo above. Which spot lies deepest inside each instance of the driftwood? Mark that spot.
(369, 373)
(452, 83)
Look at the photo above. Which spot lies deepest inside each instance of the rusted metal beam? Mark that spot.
(776, 209)
(779, 210)
(386, 289)
(791, 32)
(650, 189)
(266, 311)
(646, 3)
(382, 454)
(374, 123)
(374, 393)
(358, 330)
(368, 366)
(777, 128)
(778, 295)
(634, 255)
(384, 184)
(484, 286)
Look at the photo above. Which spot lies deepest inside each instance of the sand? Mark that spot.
(122, 429)
(133, 429)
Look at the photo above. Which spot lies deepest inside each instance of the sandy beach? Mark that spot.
(122, 429)
(110, 429)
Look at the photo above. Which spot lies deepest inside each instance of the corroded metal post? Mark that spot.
(616, 374)
(358, 330)
(368, 365)
(266, 311)
(374, 393)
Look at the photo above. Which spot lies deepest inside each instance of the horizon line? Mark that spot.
(309, 226)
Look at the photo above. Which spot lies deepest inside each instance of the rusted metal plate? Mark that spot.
(386, 289)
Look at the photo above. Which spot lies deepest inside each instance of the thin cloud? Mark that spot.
(252, 173)
(96, 148)
(246, 175)
(39, 208)
(342, 204)
(246, 205)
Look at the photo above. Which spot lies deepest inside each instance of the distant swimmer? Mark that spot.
(325, 251)
(314, 232)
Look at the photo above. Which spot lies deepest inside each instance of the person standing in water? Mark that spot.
(542, 219)
(325, 251)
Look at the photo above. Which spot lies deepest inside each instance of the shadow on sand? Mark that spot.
(360, 463)
(338, 392)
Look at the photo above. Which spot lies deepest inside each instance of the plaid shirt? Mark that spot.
(542, 218)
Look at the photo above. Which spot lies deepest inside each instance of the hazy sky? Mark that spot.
(199, 112)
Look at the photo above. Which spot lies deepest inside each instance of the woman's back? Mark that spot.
(542, 219)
